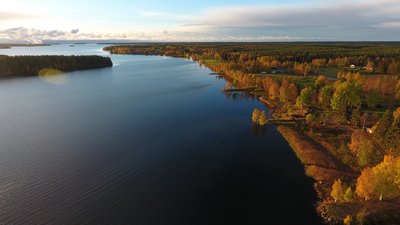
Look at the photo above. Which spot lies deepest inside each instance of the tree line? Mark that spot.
(298, 58)
(32, 65)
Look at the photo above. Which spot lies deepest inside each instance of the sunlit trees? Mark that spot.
(348, 195)
(284, 93)
(325, 96)
(321, 81)
(259, 117)
(364, 149)
(293, 92)
(273, 90)
(370, 66)
(304, 100)
(262, 120)
(256, 115)
(381, 181)
(365, 184)
(347, 220)
(347, 95)
(396, 117)
(398, 90)
(338, 191)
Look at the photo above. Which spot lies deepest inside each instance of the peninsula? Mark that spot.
(20, 66)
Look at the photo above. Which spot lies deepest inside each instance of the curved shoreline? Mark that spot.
(320, 164)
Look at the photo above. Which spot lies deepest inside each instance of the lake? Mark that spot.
(152, 140)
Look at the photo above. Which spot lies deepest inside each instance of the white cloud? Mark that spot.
(20, 34)
(341, 14)
(313, 20)
(7, 15)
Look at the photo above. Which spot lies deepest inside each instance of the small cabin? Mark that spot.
(352, 66)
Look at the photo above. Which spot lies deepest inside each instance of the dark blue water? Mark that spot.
(150, 141)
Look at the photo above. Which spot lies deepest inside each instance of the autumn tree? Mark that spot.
(365, 184)
(304, 101)
(366, 153)
(348, 195)
(383, 124)
(380, 182)
(293, 92)
(338, 191)
(274, 90)
(347, 95)
(256, 115)
(347, 220)
(262, 120)
(321, 81)
(325, 96)
(396, 117)
(398, 90)
(284, 92)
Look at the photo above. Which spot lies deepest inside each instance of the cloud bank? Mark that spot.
(366, 20)
(352, 20)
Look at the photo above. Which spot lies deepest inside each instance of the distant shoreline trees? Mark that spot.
(11, 66)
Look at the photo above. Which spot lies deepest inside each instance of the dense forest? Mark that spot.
(342, 101)
(32, 65)
(297, 58)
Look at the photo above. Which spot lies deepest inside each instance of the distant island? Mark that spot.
(6, 46)
(337, 104)
(20, 66)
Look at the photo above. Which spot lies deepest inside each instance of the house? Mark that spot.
(352, 66)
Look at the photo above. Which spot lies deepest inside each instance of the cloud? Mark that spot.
(27, 35)
(356, 20)
(349, 14)
(75, 31)
(166, 15)
(4, 16)
(311, 20)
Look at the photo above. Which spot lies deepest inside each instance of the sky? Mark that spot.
(202, 20)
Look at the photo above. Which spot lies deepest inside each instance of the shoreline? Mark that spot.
(25, 66)
(319, 163)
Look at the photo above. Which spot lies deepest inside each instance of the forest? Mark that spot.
(341, 106)
(11, 66)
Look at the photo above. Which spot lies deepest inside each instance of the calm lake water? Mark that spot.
(152, 140)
